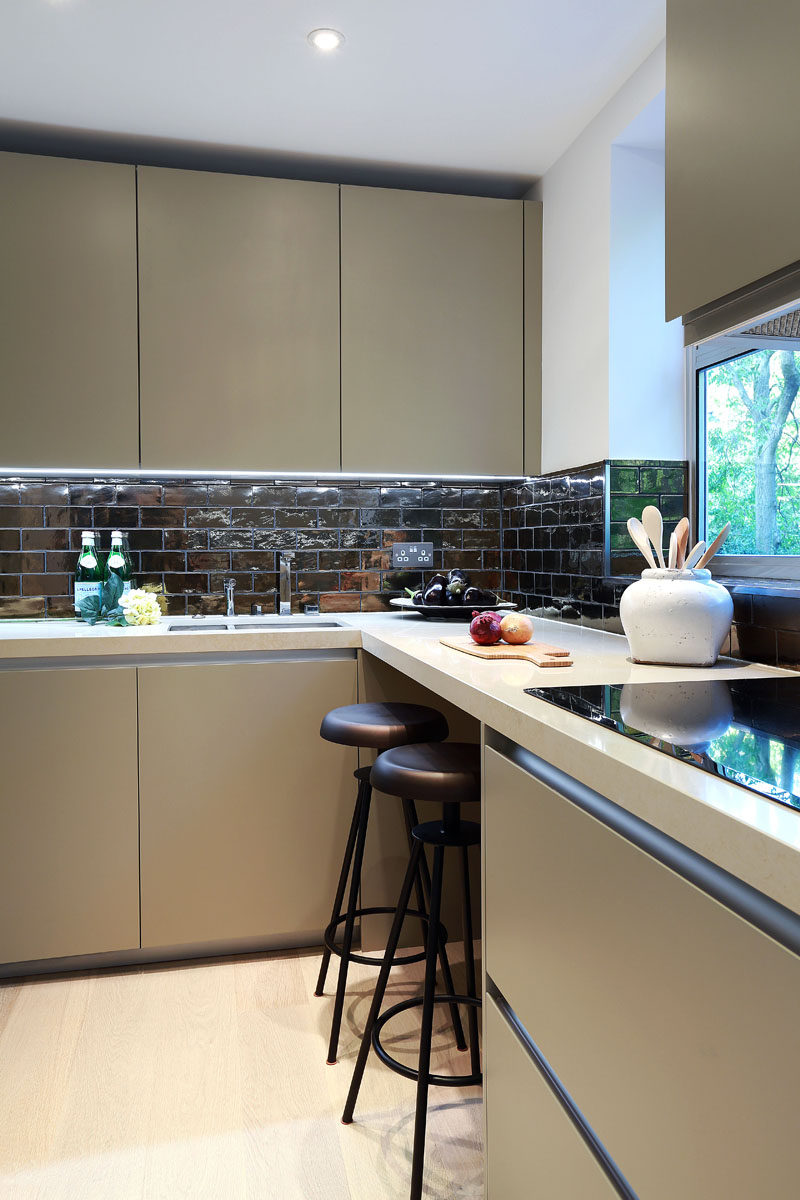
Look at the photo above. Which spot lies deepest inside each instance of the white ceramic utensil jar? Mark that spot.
(677, 618)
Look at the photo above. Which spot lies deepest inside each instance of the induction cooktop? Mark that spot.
(746, 731)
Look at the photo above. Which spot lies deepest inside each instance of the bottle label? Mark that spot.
(126, 586)
(83, 590)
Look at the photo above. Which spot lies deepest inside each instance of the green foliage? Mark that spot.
(745, 402)
(105, 607)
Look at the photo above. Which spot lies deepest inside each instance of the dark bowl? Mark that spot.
(451, 612)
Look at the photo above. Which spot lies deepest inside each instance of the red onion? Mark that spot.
(485, 628)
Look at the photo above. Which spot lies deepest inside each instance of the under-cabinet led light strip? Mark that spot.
(277, 476)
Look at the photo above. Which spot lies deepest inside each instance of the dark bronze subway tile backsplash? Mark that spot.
(557, 545)
(189, 536)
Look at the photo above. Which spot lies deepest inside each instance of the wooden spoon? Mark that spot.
(682, 535)
(695, 556)
(673, 551)
(637, 532)
(654, 528)
(718, 541)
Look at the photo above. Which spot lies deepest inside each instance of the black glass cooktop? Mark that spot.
(746, 731)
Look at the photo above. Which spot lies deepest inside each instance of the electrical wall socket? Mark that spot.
(412, 554)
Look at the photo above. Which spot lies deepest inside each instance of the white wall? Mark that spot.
(576, 195)
(646, 357)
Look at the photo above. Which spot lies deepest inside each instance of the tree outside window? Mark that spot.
(752, 451)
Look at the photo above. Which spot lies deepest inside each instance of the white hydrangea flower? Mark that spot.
(141, 608)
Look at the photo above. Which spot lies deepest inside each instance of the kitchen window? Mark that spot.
(748, 452)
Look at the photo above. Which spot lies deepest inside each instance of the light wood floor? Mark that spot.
(209, 1081)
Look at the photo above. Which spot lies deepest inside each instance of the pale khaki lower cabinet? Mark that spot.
(69, 860)
(68, 341)
(532, 1147)
(670, 1020)
(244, 809)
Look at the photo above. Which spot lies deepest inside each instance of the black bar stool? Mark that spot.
(449, 773)
(377, 727)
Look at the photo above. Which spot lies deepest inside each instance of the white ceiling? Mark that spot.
(499, 87)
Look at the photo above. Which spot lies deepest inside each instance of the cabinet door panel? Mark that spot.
(68, 352)
(731, 207)
(533, 336)
(532, 1147)
(69, 847)
(245, 809)
(670, 1021)
(432, 317)
(239, 287)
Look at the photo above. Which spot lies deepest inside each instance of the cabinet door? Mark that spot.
(731, 201)
(532, 1147)
(239, 295)
(69, 847)
(532, 210)
(670, 1020)
(432, 327)
(244, 809)
(68, 352)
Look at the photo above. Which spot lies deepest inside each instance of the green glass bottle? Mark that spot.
(89, 572)
(118, 561)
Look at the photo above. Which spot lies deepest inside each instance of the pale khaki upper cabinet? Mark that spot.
(532, 213)
(532, 1147)
(69, 846)
(244, 807)
(733, 149)
(432, 333)
(670, 1021)
(239, 318)
(68, 347)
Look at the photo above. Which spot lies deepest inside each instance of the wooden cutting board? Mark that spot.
(538, 653)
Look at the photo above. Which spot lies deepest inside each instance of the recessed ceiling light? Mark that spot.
(326, 39)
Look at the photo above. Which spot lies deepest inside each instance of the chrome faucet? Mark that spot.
(230, 588)
(285, 560)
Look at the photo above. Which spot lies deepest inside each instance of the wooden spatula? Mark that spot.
(682, 535)
(718, 541)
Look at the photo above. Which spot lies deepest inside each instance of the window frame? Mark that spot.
(734, 566)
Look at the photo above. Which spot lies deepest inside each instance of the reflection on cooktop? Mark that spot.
(746, 731)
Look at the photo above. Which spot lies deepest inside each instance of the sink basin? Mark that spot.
(215, 625)
(197, 626)
(287, 623)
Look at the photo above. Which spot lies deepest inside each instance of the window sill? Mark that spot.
(783, 588)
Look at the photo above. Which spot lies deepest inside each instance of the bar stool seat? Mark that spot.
(383, 726)
(449, 773)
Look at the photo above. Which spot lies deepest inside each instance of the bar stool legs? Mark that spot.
(363, 786)
(449, 833)
(380, 987)
(426, 1030)
(351, 869)
(423, 892)
(363, 806)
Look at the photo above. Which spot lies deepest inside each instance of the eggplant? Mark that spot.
(457, 584)
(435, 593)
(476, 595)
(415, 595)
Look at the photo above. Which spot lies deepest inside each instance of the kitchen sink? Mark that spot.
(287, 623)
(198, 624)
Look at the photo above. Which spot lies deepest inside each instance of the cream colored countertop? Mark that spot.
(751, 836)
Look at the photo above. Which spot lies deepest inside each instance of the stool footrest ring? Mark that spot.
(412, 1072)
(376, 960)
